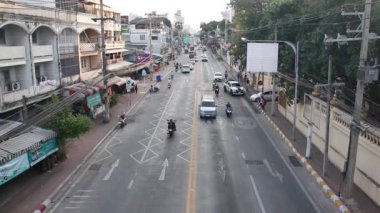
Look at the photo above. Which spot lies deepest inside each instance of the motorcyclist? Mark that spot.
(171, 125)
(217, 89)
(228, 105)
(226, 74)
(123, 119)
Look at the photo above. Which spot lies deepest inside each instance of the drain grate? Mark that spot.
(94, 167)
(294, 161)
(254, 162)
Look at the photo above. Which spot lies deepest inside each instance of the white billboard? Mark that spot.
(262, 57)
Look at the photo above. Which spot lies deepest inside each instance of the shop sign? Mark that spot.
(94, 100)
(13, 168)
(41, 152)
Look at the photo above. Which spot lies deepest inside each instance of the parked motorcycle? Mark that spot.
(217, 91)
(122, 121)
(169, 85)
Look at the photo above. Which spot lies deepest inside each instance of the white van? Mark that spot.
(207, 107)
(185, 68)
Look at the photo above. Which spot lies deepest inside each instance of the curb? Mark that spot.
(45, 204)
(328, 191)
(42, 207)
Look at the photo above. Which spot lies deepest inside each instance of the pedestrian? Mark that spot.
(135, 87)
(263, 102)
(248, 81)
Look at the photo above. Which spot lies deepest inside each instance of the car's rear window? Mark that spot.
(207, 104)
(235, 84)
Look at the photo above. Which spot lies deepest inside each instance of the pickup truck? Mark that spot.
(233, 88)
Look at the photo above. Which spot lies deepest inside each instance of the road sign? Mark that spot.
(143, 73)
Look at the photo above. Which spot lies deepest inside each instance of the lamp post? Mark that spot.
(295, 48)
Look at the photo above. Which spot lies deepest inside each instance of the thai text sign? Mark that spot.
(13, 168)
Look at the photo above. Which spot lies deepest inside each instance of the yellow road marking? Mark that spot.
(191, 197)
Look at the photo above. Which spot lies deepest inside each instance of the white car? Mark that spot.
(204, 58)
(267, 96)
(185, 68)
(233, 88)
(218, 76)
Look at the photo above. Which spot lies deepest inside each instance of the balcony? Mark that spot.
(12, 56)
(42, 53)
(89, 48)
(115, 45)
(14, 96)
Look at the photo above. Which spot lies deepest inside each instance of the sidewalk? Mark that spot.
(334, 177)
(28, 190)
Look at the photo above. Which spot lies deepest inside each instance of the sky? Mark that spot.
(193, 11)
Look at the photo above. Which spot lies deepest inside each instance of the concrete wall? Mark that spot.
(367, 175)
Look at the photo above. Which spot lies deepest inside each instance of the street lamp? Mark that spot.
(295, 48)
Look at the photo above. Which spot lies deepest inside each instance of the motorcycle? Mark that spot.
(171, 127)
(228, 112)
(217, 91)
(122, 122)
(169, 85)
(154, 88)
(213, 85)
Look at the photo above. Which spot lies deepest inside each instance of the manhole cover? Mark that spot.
(254, 162)
(294, 161)
(94, 167)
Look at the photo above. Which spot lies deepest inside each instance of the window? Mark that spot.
(2, 36)
(34, 38)
(7, 76)
(38, 72)
(142, 37)
(154, 37)
(83, 63)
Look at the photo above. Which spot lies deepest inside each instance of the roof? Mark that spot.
(7, 125)
(20, 144)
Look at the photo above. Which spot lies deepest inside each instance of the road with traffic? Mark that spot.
(236, 164)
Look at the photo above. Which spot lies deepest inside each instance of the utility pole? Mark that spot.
(106, 118)
(327, 133)
(274, 78)
(355, 128)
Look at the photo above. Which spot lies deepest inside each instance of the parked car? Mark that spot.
(207, 107)
(267, 96)
(234, 88)
(218, 76)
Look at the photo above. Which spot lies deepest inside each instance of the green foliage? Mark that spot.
(67, 125)
(305, 21)
(114, 99)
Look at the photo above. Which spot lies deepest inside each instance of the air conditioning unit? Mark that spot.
(14, 86)
(43, 78)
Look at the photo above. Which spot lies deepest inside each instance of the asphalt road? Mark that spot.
(235, 164)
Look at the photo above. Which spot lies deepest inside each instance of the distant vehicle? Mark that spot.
(267, 96)
(196, 58)
(192, 54)
(186, 51)
(218, 76)
(234, 88)
(185, 68)
(192, 61)
(204, 58)
(191, 66)
(207, 107)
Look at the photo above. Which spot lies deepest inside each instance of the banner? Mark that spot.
(13, 168)
(94, 100)
(40, 153)
(262, 57)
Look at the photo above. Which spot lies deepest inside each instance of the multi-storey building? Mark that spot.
(45, 45)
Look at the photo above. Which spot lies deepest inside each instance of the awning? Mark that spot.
(115, 51)
(116, 80)
(86, 89)
(119, 66)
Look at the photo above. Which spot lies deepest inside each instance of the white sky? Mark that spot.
(193, 11)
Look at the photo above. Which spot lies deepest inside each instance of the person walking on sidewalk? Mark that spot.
(263, 102)
(135, 87)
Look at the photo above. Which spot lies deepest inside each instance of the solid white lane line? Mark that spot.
(243, 155)
(82, 196)
(313, 203)
(257, 194)
(130, 184)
